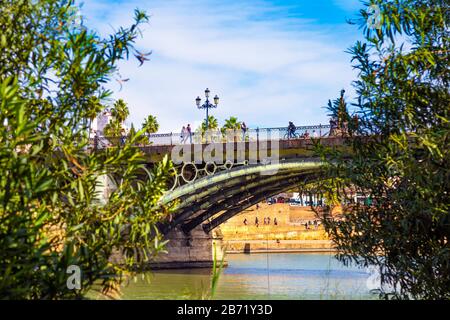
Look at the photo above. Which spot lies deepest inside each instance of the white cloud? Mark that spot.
(266, 71)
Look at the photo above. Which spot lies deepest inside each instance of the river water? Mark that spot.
(258, 276)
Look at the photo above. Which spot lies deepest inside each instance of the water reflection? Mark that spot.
(259, 276)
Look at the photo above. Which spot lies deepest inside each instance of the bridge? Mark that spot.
(220, 176)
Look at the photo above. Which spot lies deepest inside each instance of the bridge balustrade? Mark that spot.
(257, 134)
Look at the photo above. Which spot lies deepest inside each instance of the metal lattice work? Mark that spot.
(251, 134)
(189, 172)
(257, 134)
(229, 191)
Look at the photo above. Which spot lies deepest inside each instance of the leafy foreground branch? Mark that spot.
(401, 154)
(52, 72)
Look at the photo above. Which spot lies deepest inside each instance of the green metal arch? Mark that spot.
(216, 193)
(238, 202)
(239, 172)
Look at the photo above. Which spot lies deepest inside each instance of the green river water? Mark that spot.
(259, 276)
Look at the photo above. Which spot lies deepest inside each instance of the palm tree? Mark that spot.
(212, 124)
(232, 124)
(120, 111)
(114, 128)
(150, 125)
(94, 107)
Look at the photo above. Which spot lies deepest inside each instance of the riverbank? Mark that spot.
(275, 228)
(278, 246)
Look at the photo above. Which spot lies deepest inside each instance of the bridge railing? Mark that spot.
(254, 134)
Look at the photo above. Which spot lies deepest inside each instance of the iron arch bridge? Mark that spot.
(212, 199)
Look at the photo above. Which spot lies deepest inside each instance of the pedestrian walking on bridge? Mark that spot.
(244, 130)
(189, 133)
(183, 135)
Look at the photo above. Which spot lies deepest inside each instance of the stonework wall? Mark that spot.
(195, 250)
(190, 251)
(255, 246)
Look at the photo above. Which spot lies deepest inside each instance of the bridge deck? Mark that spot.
(287, 148)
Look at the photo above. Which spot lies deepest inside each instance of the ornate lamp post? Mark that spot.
(207, 104)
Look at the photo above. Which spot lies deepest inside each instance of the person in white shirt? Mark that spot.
(183, 136)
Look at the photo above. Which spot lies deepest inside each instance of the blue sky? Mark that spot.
(270, 62)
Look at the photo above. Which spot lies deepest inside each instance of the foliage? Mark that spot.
(216, 270)
(52, 71)
(202, 136)
(141, 139)
(150, 125)
(344, 122)
(114, 129)
(231, 123)
(400, 157)
(213, 124)
(119, 113)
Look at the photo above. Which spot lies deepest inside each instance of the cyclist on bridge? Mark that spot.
(291, 130)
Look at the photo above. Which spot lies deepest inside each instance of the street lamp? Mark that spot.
(207, 105)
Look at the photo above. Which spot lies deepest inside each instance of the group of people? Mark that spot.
(186, 133)
(343, 127)
(266, 221)
(336, 128)
(309, 224)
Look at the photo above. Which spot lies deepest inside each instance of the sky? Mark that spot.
(269, 61)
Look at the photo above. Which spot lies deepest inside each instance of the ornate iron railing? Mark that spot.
(257, 134)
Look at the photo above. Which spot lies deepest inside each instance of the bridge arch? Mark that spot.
(225, 194)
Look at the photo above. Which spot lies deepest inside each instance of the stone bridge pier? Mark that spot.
(190, 250)
(185, 249)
